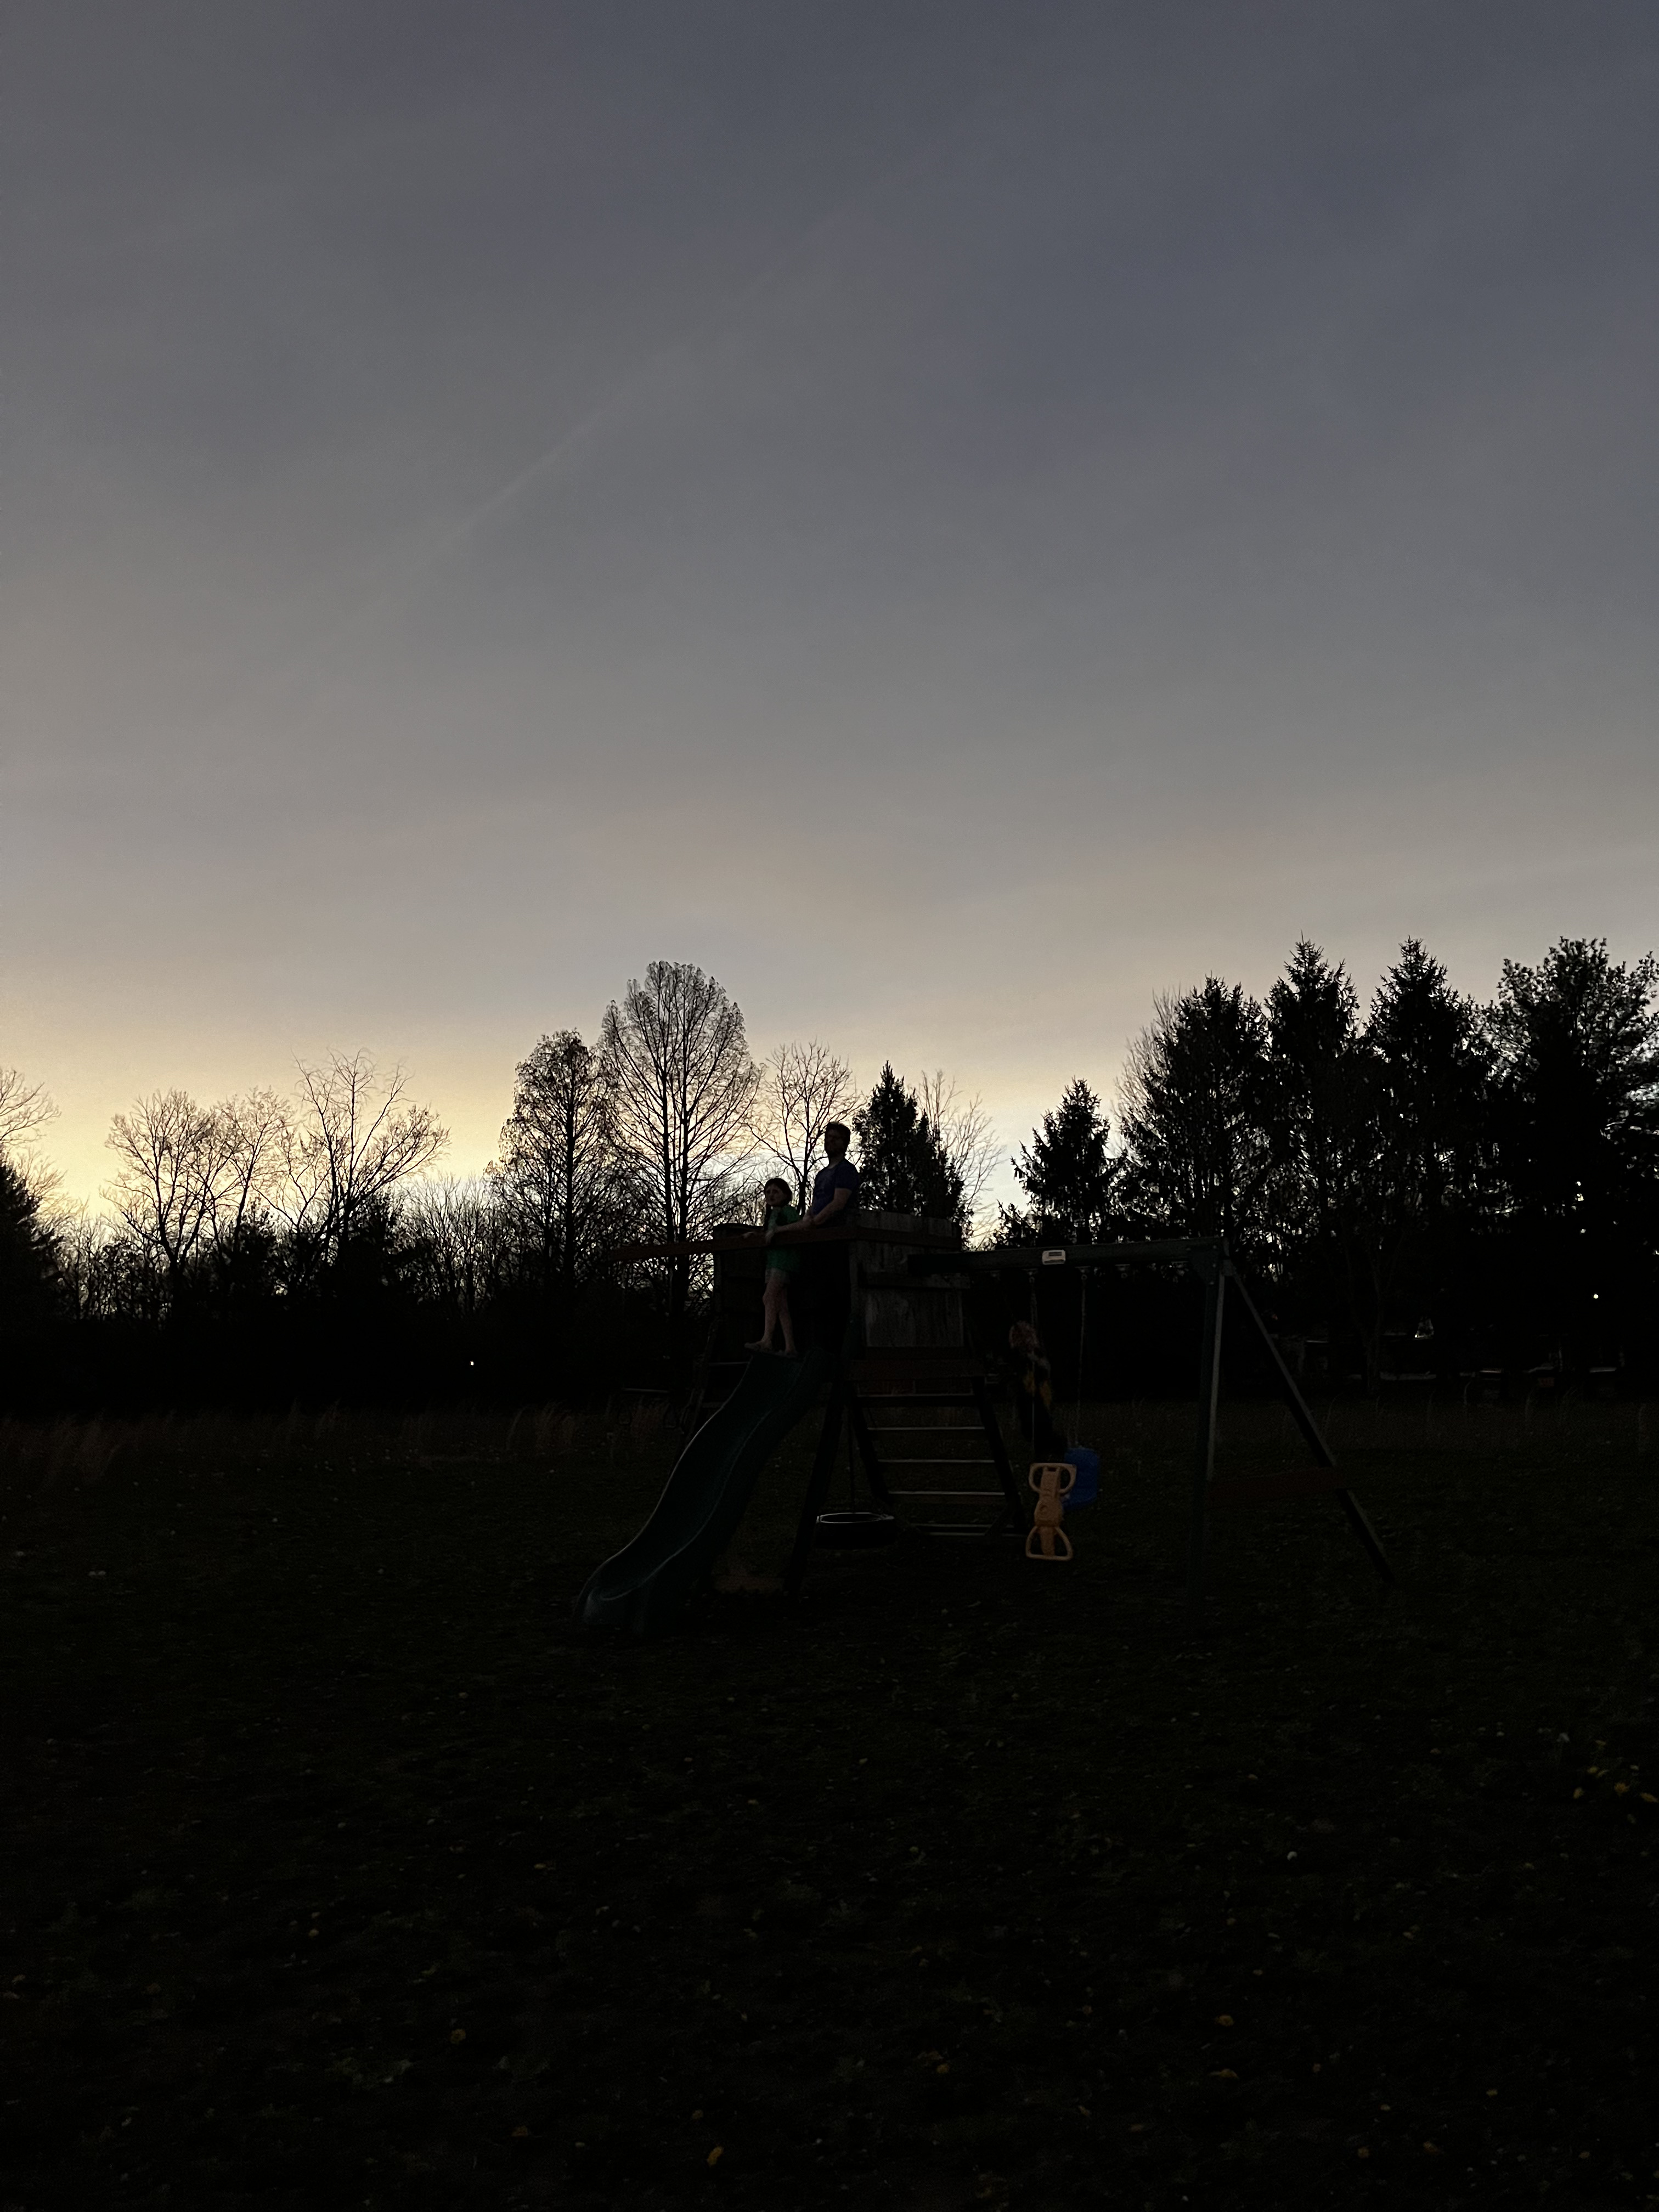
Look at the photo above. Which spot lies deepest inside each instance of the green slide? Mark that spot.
(645, 1585)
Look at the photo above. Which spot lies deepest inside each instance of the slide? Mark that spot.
(645, 1585)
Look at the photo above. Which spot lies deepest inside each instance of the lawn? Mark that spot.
(342, 1870)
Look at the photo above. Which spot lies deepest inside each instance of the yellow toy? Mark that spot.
(1051, 1480)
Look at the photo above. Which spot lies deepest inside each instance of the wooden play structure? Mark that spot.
(912, 1400)
(888, 1357)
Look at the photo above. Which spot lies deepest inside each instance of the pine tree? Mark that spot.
(26, 1251)
(1576, 1123)
(1195, 1100)
(1065, 1172)
(902, 1165)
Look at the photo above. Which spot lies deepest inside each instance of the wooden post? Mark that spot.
(817, 1488)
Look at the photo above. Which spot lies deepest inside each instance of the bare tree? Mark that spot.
(802, 1088)
(965, 1135)
(455, 1237)
(353, 1137)
(170, 1153)
(101, 1272)
(566, 1189)
(251, 1133)
(677, 1064)
(25, 1108)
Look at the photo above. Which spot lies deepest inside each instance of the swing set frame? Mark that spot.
(1209, 1260)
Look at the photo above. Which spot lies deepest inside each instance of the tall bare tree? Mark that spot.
(801, 1087)
(561, 1181)
(963, 1127)
(25, 1108)
(252, 1143)
(677, 1064)
(353, 1137)
(170, 1153)
(194, 1180)
(453, 1239)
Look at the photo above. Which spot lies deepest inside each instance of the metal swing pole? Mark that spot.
(1209, 1268)
(1082, 1345)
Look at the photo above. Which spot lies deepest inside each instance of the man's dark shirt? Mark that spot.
(840, 1175)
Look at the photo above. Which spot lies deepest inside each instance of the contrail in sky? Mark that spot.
(420, 563)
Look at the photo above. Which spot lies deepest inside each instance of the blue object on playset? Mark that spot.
(1086, 1489)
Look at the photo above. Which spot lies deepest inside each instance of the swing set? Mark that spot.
(1208, 1260)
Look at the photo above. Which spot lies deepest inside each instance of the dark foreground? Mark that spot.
(339, 1871)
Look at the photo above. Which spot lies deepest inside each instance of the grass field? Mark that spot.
(341, 1870)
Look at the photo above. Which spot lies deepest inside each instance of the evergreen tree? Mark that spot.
(1431, 1068)
(25, 1253)
(1198, 1148)
(1318, 1111)
(1065, 1173)
(904, 1165)
(1577, 1047)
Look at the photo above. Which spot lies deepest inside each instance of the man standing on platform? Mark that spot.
(836, 1185)
(834, 1201)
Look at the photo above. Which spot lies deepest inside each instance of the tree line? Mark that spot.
(304, 1244)
(1426, 1182)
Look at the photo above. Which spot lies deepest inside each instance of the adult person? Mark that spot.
(836, 1185)
(827, 1282)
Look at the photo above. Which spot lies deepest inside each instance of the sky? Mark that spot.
(955, 518)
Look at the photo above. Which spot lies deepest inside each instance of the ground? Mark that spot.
(343, 1870)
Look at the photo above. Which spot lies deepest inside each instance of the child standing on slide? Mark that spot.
(780, 1264)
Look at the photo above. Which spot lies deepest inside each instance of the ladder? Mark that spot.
(945, 1477)
(927, 1491)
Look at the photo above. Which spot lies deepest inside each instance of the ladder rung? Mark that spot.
(870, 1399)
(949, 1494)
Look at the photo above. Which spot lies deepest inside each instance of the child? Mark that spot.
(1034, 1381)
(780, 1264)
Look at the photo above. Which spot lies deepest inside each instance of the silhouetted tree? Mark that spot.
(1576, 1041)
(24, 1110)
(1318, 1113)
(565, 1188)
(26, 1255)
(678, 1067)
(169, 1152)
(28, 1246)
(251, 1143)
(1433, 1065)
(1428, 1171)
(456, 1245)
(352, 1138)
(1194, 1119)
(967, 1144)
(904, 1165)
(801, 1087)
(1066, 1173)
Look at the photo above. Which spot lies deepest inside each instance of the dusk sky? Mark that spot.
(954, 518)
